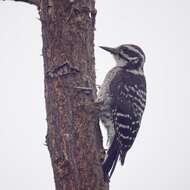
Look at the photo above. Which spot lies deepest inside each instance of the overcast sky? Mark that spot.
(160, 157)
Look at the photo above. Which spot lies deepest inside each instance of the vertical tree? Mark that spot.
(73, 136)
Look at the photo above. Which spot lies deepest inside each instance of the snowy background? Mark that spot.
(159, 159)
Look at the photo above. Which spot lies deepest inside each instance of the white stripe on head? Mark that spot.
(132, 48)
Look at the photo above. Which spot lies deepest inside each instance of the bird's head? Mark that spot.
(129, 56)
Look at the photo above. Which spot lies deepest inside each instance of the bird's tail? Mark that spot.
(122, 156)
(111, 160)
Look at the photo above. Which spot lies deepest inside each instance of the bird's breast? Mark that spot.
(104, 92)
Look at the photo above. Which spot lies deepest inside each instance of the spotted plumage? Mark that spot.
(129, 97)
(123, 98)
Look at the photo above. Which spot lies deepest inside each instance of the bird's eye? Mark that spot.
(129, 52)
(132, 53)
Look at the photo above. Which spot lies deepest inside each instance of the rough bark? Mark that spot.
(73, 137)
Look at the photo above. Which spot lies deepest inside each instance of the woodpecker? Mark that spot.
(122, 99)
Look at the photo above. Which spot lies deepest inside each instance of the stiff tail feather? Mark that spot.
(122, 156)
(111, 160)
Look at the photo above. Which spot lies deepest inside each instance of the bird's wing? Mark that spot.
(128, 94)
(127, 111)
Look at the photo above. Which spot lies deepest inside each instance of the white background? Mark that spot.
(160, 157)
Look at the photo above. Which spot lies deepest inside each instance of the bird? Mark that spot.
(122, 100)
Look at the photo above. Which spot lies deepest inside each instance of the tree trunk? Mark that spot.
(73, 137)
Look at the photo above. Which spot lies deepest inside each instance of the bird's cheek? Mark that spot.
(136, 61)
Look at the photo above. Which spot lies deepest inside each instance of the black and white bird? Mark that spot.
(122, 99)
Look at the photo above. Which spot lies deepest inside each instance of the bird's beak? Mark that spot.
(111, 50)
